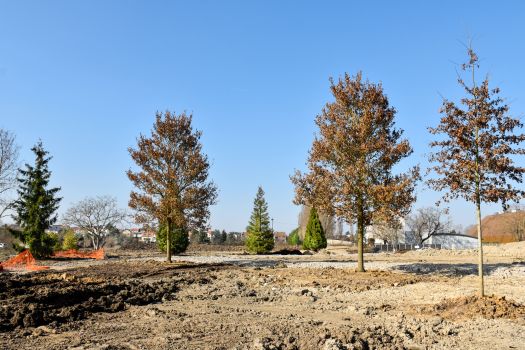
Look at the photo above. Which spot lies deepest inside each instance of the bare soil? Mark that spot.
(223, 300)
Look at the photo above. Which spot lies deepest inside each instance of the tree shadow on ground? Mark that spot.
(463, 269)
(279, 262)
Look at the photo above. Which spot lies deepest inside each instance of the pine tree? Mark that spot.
(314, 238)
(260, 236)
(36, 204)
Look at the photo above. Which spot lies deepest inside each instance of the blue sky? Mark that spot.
(86, 77)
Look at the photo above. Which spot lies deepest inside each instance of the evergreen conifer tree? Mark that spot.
(36, 204)
(293, 238)
(260, 236)
(179, 239)
(314, 238)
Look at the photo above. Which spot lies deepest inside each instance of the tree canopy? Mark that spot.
(473, 157)
(36, 206)
(172, 183)
(350, 164)
(260, 235)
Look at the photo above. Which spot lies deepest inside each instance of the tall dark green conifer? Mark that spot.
(314, 238)
(260, 234)
(36, 204)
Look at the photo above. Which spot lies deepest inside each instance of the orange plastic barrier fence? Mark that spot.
(73, 253)
(24, 261)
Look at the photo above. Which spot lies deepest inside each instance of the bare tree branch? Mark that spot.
(94, 216)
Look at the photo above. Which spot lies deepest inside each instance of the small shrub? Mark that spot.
(293, 238)
(179, 239)
(314, 238)
(70, 240)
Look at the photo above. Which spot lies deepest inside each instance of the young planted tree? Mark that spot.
(95, 216)
(172, 180)
(260, 235)
(314, 238)
(327, 221)
(473, 159)
(36, 204)
(351, 159)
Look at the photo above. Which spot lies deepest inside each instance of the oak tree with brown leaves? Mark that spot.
(172, 183)
(351, 160)
(473, 157)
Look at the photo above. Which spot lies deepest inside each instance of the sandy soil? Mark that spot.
(228, 300)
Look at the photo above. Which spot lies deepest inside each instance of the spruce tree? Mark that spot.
(314, 238)
(36, 204)
(260, 236)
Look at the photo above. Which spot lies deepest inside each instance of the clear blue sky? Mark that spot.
(87, 77)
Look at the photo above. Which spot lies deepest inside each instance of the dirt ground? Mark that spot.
(229, 300)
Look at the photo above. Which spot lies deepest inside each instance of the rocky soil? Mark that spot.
(265, 302)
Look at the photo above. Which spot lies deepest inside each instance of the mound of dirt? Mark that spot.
(490, 307)
(47, 298)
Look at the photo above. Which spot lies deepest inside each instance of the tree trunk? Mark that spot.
(480, 243)
(478, 193)
(168, 241)
(360, 239)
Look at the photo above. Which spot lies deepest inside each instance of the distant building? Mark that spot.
(142, 234)
(55, 228)
(148, 236)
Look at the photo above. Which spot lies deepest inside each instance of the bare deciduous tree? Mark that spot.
(8, 168)
(474, 156)
(172, 182)
(388, 232)
(514, 222)
(94, 216)
(351, 159)
(427, 222)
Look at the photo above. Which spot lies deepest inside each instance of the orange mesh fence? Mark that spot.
(23, 261)
(73, 253)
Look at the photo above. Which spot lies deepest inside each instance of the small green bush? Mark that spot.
(314, 238)
(70, 240)
(179, 239)
(293, 238)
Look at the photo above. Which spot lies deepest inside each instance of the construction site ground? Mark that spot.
(210, 299)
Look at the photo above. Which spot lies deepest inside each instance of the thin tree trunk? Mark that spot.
(360, 239)
(480, 243)
(478, 193)
(168, 242)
